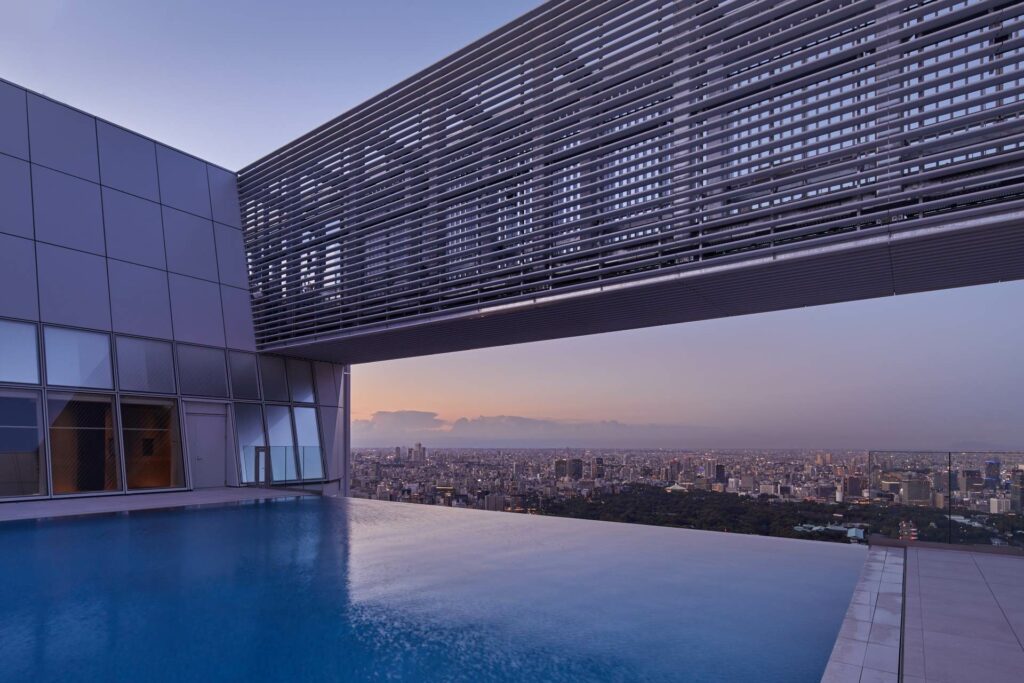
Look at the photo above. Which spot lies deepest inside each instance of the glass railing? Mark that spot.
(278, 465)
(311, 463)
(948, 497)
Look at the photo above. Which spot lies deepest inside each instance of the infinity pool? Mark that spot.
(322, 590)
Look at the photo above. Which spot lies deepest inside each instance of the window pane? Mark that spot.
(326, 388)
(19, 353)
(249, 423)
(202, 371)
(282, 444)
(78, 359)
(300, 379)
(244, 383)
(145, 365)
(21, 444)
(308, 438)
(152, 445)
(275, 385)
(83, 443)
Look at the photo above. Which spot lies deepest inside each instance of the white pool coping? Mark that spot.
(868, 647)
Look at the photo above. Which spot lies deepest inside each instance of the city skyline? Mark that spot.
(938, 370)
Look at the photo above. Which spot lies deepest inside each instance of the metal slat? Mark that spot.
(601, 142)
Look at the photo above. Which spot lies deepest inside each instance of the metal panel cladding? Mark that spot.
(595, 143)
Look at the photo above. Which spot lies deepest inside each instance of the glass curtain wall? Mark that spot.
(83, 443)
(307, 438)
(22, 472)
(282, 444)
(249, 423)
(78, 359)
(19, 356)
(152, 444)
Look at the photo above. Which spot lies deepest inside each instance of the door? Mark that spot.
(207, 435)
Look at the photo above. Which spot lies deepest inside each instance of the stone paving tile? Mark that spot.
(849, 651)
(961, 622)
(950, 658)
(882, 658)
(837, 672)
(885, 635)
(876, 676)
(855, 629)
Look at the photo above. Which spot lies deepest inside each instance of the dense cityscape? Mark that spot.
(828, 495)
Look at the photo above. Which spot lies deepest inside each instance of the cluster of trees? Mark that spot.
(763, 515)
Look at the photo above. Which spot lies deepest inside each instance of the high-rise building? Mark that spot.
(915, 489)
(561, 468)
(971, 481)
(854, 486)
(576, 468)
(1017, 491)
(597, 468)
(993, 475)
(999, 506)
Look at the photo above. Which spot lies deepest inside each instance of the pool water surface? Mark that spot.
(349, 590)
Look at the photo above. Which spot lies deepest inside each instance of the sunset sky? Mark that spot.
(939, 370)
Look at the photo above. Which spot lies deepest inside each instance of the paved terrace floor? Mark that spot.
(964, 617)
(71, 507)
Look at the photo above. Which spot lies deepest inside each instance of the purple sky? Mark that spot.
(234, 79)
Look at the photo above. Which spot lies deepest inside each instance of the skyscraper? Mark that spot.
(576, 468)
(993, 477)
(561, 468)
(1017, 491)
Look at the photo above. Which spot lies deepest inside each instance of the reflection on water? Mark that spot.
(361, 590)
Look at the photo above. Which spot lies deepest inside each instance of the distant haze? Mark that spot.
(939, 370)
(232, 80)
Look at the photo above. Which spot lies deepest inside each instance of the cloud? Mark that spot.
(390, 428)
(386, 429)
(398, 424)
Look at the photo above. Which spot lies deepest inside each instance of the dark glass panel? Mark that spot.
(275, 383)
(249, 425)
(300, 380)
(145, 365)
(21, 445)
(83, 443)
(202, 371)
(244, 380)
(152, 445)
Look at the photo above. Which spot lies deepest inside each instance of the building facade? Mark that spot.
(128, 361)
(604, 165)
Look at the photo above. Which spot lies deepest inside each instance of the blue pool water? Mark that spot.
(320, 590)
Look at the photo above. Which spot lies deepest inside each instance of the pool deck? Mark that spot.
(74, 507)
(965, 617)
(932, 615)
